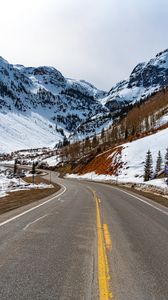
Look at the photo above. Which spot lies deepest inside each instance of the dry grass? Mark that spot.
(20, 198)
(37, 180)
(102, 163)
(63, 170)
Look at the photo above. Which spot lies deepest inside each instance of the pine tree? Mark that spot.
(94, 141)
(102, 133)
(158, 163)
(148, 169)
(166, 157)
(126, 133)
(146, 123)
(15, 167)
(33, 171)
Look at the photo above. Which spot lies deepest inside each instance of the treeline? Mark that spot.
(151, 172)
(142, 119)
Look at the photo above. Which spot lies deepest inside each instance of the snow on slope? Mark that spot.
(134, 153)
(25, 131)
(52, 161)
(133, 159)
(34, 101)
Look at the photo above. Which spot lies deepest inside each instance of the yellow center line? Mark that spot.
(107, 237)
(103, 267)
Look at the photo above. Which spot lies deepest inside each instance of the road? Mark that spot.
(90, 241)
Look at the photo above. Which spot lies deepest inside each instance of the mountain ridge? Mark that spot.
(63, 107)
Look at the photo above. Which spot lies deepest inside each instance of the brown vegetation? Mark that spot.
(17, 199)
(102, 163)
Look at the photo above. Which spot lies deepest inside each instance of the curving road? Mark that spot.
(90, 241)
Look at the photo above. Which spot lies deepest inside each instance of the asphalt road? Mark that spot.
(60, 248)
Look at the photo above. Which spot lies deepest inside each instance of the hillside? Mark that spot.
(40, 107)
(125, 164)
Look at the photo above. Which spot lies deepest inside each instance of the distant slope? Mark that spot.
(25, 131)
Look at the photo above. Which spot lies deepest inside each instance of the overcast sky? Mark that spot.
(96, 40)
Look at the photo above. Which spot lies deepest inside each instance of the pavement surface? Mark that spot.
(90, 241)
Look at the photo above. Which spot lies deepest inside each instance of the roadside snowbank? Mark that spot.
(158, 186)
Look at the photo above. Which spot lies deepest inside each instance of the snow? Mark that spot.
(45, 98)
(133, 159)
(163, 120)
(25, 131)
(15, 184)
(161, 60)
(7, 185)
(134, 153)
(131, 92)
(52, 161)
(129, 95)
(34, 100)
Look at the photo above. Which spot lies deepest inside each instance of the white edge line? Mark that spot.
(33, 208)
(159, 209)
(35, 221)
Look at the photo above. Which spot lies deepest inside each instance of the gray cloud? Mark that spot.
(99, 40)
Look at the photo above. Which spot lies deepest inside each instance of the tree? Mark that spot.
(158, 163)
(65, 141)
(126, 133)
(146, 123)
(148, 169)
(15, 167)
(166, 157)
(87, 145)
(33, 171)
(102, 133)
(95, 141)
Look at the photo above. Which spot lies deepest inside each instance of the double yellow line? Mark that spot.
(104, 243)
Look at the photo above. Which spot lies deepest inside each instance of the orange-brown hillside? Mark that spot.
(102, 163)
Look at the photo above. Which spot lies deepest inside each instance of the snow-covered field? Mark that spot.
(133, 159)
(16, 184)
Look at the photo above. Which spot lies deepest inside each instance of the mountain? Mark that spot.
(39, 107)
(145, 79)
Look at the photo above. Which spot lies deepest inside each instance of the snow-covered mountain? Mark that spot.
(39, 106)
(145, 79)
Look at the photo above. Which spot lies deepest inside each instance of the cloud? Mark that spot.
(98, 40)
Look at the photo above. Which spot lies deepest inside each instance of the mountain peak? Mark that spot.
(3, 61)
(145, 79)
(162, 53)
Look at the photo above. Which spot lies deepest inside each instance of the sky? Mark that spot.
(100, 41)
